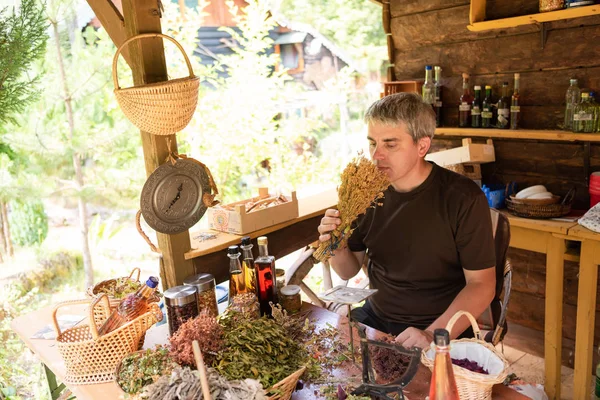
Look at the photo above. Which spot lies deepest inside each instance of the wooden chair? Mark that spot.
(494, 318)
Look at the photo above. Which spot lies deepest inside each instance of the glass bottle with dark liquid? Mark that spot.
(265, 270)
(464, 108)
(248, 265)
(236, 276)
(443, 384)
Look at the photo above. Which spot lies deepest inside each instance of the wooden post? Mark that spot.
(148, 66)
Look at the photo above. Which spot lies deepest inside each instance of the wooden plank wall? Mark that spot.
(434, 32)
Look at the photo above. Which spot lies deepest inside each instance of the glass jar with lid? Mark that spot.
(207, 297)
(290, 298)
(280, 278)
(181, 305)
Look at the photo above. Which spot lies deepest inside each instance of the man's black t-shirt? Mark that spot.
(419, 242)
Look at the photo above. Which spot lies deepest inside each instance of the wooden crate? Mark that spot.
(402, 86)
(234, 218)
(468, 153)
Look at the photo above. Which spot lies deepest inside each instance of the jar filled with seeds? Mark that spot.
(551, 5)
(181, 305)
(207, 297)
(290, 299)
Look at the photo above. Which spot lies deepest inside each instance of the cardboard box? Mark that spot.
(468, 153)
(240, 222)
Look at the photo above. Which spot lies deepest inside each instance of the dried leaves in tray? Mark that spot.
(205, 329)
(143, 368)
(259, 349)
(388, 363)
(362, 187)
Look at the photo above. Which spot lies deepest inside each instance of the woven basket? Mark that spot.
(529, 209)
(472, 385)
(93, 291)
(162, 108)
(90, 358)
(286, 386)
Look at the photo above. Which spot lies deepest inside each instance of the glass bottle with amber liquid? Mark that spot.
(443, 384)
(515, 108)
(438, 95)
(504, 108)
(464, 108)
(248, 265)
(236, 275)
(265, 273)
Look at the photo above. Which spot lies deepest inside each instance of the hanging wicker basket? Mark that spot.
(162, 108)
(90, 358)
(472, 385)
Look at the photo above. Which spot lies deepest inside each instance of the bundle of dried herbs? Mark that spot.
(243, 307)
(184, 384)
(362, 186)
(143, 368)
(206, 330)
(388, 363)
(259, 349)
(298, 326)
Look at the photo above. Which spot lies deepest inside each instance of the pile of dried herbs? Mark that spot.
(120, 288)
(143, 368)
(206, 330)
(362, 186)
(388, 363)
(260, 349)
(184, 384)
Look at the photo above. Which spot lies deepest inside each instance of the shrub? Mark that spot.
(28, 222)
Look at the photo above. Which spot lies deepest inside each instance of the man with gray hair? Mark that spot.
(430, 245)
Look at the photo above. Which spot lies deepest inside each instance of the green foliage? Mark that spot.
(101, 231)
(28, 222)
(22, 41)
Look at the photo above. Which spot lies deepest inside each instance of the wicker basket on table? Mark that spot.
(541, 208)
(90, 358)
(472, 385)
(162, 108)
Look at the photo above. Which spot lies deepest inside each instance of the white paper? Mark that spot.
(64, 322)
(346, 295)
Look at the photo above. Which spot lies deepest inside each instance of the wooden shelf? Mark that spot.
(478, 15)
(550, 135)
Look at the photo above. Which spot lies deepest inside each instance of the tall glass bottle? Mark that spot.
(515, 108)
(476, 108)
(443, 384)
(438, 95)
(428, 90)
(571, 100)
(131, 307)
(464, 109)
(265, 269)
(504, 108)
(486, 108)
(236, 276)
(583, 116)
(248, 265)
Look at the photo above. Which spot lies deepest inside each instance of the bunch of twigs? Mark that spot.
(362, 187)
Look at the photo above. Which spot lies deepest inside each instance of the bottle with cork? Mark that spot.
(248, 265)
(265, 272)
(236, 275)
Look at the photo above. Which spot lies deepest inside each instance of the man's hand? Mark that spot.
(414, 337)
(329, 222)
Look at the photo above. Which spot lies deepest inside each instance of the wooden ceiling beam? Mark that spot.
(112, 21)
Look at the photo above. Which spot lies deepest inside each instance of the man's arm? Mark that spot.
(345, 263)
(475, 297)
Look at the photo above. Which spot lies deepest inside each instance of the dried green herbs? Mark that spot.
(259, 349)
(143, 368)
(120, 288)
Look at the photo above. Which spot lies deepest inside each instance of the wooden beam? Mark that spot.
(148, 66)
(533, 134)
(112, 21)
(477, 11)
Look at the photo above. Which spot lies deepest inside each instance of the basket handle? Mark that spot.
(138, 215)
(457, 316)
(64, 304)
(106, 304)
(133, 271)
(143, 36)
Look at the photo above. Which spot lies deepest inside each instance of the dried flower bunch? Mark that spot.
(362, 186)
(205, 329)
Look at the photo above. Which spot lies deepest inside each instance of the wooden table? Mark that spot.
(46, 350)
(586, 308)
(548, 237)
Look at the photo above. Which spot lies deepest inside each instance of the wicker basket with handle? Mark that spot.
(162, 108)
(472, 385)
(90, 358)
